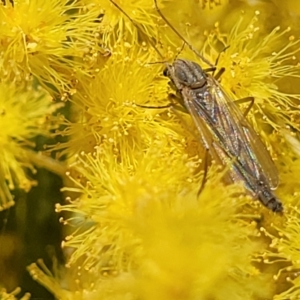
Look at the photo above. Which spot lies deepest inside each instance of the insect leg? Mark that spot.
(224, 49)
(245, 100)
(205, 166)
(219, 74)
(173, 104)
(222, 70)
(155, 107)
(213, 69)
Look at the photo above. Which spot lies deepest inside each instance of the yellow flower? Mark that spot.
(259, 65)
(50, 41)
(141, 231)
(118, 27)
(187, 249)
(139, 21)
(23, 116)
(282, 254)
(106, 108)
(11, 296)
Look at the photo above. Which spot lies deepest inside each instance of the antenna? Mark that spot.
(185, 41)
(138, 27)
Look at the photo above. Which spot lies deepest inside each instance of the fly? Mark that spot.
(224, 131)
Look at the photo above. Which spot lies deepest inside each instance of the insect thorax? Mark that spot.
(185, 73)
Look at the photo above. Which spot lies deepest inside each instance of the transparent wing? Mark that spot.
(233, 137)
(251, 140)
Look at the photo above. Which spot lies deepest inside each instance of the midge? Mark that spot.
(225, 133)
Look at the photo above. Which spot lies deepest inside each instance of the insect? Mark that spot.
(225, 132)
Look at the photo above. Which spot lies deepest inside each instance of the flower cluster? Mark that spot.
(147, 217)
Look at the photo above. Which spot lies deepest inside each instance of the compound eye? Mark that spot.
(166, 72)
